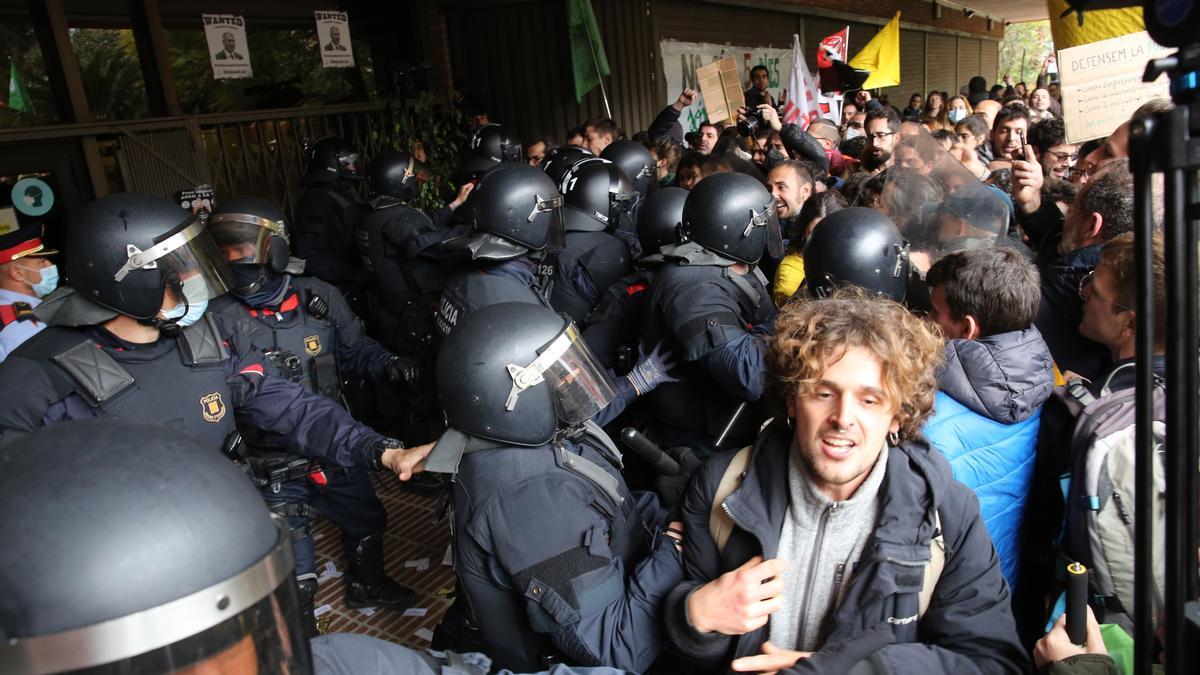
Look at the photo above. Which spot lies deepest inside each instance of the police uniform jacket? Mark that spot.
(588, 264)
(519, 280)
(326, 217)
(194, 384)
(968, 627)
(716, 320)
(557, 559)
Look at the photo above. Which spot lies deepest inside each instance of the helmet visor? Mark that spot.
(939, 205)
(255, 627)
(579, 384)
(623, 211)
(244, 237)
(768, 220)
(556, 229)
(185, 253)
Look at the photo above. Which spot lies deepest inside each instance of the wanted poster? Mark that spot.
(333, 36)
(227, 47)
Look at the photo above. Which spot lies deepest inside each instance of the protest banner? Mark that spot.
(1102, 83)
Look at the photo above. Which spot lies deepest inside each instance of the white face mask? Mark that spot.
(957, 115)
(854, 132)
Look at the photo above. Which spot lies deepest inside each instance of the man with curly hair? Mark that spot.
(839, 541)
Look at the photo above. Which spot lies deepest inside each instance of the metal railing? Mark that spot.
(250, 153)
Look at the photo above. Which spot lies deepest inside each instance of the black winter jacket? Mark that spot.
(968, 627)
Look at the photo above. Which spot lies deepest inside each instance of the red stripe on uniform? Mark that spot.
(256, 368)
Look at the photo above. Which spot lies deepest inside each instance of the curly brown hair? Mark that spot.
(811, 335)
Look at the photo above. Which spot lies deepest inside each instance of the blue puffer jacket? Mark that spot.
(985, 421)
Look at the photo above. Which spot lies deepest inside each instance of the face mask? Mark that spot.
(49, 280)
(196, 292)
(957, 115)
(854, 132)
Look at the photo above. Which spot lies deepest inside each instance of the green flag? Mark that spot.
(588, 60)
(18, 98)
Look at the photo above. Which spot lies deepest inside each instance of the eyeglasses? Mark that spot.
(880, 135)
(1085, 291)
(1065, 156)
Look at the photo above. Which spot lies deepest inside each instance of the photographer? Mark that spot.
(799, 144)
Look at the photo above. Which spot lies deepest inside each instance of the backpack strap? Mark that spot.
(937, 562)
(720, 525)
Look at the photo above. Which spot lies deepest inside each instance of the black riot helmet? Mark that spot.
(857, 246)
(513, 211)
(598, 196)
(129, 548)
(253, 236)
(394, 174)
(732, 215)
(560, 160)
(636, 161)
(331, 158)
(490, 145)
(658, 221)
(516, 373)
(125, 250)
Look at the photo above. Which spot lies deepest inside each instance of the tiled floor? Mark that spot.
(411, 536)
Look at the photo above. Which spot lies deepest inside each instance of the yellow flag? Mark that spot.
(881, 56)
(1097, 25)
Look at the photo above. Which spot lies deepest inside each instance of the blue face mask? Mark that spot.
(195, 290)
(49, 280)
(957, 115)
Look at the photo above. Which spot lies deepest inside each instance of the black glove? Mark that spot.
(670, 488)
(403, 370)
(847, 656)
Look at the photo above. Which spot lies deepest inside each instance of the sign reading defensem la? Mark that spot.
(1102, 83)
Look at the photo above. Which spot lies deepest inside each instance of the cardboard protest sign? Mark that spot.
(680, 61)
(721, 87)
(1102, 83)
(333, 36)
(228, 51)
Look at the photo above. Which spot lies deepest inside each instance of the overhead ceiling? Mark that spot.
(1011, 10)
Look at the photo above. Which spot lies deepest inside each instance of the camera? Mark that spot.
(750, 123)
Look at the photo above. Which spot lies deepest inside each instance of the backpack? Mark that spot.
(720, 525)
(1099, 528)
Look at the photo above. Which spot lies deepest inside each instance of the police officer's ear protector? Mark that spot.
(279, 254)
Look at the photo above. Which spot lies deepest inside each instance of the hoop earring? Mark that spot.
(893, 438)
(791, 422)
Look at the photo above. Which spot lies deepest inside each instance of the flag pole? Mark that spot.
(599, 75)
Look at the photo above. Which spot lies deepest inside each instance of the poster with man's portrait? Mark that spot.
(333, 38)
(227, 48)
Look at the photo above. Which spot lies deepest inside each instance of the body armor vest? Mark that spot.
(180, 383)
(606, 259)
(514, 625)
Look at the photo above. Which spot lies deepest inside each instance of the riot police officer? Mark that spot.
(560, 160)
(636, 161)
(400, 249)
(712, 305)
(490, 146)
(130, 340)
(327, 213)
(600, 205)
(515, 218)
(307, 334)
(857, 246)
(613, 329)
(556, 559)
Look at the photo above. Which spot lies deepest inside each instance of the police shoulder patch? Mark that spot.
(212, 407)
(312, 345)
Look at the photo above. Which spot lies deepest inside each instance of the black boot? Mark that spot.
(366, 583)
(307, 590)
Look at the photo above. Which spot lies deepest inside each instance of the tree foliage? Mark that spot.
(1024, 51)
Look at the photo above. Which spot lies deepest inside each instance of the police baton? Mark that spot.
(729, 425)
(643, 447)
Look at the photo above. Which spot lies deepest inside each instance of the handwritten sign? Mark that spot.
(1102, 83)
(681, 60)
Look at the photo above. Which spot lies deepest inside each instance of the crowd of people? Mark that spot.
(850, 361)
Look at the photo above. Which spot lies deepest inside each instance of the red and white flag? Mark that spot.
(801, 106)
(834, 47)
